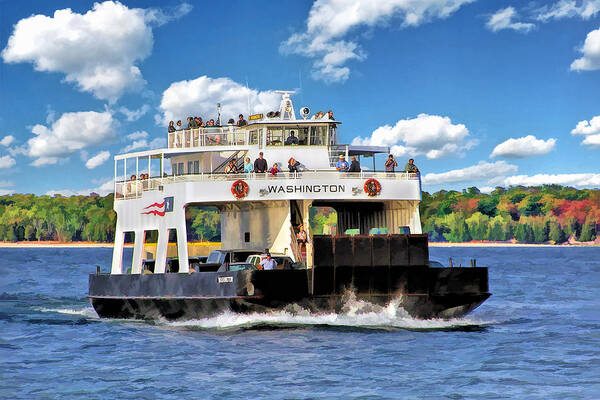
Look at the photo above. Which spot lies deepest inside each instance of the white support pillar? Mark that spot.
(138, 250)
(161, 251)
(415, 221)
(182, 250)
(117, 261)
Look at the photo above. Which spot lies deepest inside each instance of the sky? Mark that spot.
(480, 93)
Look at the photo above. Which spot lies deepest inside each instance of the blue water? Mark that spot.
(537, 337)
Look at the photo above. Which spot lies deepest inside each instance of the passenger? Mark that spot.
(211, 123)
(178, 126)
(231, 167)
(172, 127)
(342, 164)
(192, 269)
(248, 167)
(318, 115)
(274, 170)
(199, 122)
(390, 164)
(302, 237)
(354, 165)
(241, 121)
(260, 164)
(268, 263)
(293, 165)
(190, 122)
(411, 167)
(330, 115)
(231, 121)
(292, 139)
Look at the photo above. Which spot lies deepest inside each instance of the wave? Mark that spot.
(355, 315)
(87, 312)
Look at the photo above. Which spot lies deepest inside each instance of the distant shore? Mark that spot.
(51, 243)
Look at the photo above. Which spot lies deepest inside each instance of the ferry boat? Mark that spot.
(379, 254)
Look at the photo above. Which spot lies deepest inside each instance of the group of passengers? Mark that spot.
(321, 115)
(196, 122)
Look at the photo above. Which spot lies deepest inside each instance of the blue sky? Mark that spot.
(480, 93)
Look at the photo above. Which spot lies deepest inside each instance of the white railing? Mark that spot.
(134, 188)
(209, 136)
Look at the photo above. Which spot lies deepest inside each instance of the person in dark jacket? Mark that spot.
(241, 121)
(354, 165)
(260, 164)
(172, 127)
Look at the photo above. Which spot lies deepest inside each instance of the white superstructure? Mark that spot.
(263, 211)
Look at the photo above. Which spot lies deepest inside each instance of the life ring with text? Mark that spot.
(372, 187)
(239, 189)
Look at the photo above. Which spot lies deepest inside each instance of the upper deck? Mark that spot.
(194, 163)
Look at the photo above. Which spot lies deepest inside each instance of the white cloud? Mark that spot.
(97, 160)
(330, 20)
(70, 133)
(103, 189)
(137, 135)
(591, 53)
(587, 128)
(523, 147)
(143, 144)
(504, 19)
(579, 180)
(4, 192)
(592, 141)
(134, 115)
(432, 135)
(199, 97)
(98, 50)
(569, 8)
(7, 162)
(6, 184)
(481, 171)
(7, 140)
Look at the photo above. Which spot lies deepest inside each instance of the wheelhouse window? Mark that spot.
(318, 135)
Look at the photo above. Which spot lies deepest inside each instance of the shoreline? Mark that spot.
(53, 244)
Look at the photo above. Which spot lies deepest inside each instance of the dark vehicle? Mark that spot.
(237, 266)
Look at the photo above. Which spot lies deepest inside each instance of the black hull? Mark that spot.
(378, 269)
(437, 293)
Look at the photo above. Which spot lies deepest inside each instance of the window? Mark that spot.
(275, 136)
(196, 167)
(318, 135)
(190, 167)
(179, 169)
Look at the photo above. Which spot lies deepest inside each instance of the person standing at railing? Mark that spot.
(342, 164)
(248, 167)
(260, 164)
(293, 165)
(411, 167)
(241, 121)
(354, 165)
(390, 164)
(178, 127)
(274, 170)
(231, 167)
(172, 127)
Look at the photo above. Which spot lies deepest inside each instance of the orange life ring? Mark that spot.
(239, 189)
(372, 187)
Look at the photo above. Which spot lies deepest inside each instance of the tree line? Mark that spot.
(549, 213)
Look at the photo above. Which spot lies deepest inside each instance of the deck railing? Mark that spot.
(134, 188)
(209, 136)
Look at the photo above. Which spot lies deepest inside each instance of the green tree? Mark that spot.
(457, 229)
(588, 231)
(497, 229)
(557, 235)
(540, 228)
(478, 226)
(523, 232)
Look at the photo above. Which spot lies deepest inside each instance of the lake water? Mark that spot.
(537, 337)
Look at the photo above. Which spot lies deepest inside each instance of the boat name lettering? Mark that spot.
(225, 279)
(305, 189)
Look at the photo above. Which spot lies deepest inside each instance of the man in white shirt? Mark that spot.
(268, 263)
